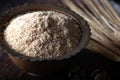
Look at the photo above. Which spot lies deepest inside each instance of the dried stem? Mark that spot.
(104, 23)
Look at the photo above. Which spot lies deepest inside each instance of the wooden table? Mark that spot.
(89, 65)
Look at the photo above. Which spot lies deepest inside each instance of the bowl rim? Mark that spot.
(21, 9)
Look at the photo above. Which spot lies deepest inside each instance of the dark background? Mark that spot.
(117, 1)
(89, 65)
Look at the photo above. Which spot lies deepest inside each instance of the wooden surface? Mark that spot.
(90, 63)
(7, 69)
(87, 66)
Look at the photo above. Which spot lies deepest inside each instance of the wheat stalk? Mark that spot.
(104, 23)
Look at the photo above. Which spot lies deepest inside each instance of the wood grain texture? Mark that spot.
(7, 69)
(105, 40)
(87, 66)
